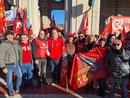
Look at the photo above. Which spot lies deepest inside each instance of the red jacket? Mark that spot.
(41, 48)
(56, 48)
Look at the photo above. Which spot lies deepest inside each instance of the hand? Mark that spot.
(36, 62)
(5, 70)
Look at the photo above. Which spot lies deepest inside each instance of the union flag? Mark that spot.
(88, 67)
(3, 26)
(17, 28)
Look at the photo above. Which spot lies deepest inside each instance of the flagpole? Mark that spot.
(91, 20)
(66, 82)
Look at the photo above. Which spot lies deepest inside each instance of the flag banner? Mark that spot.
(10, 17)
(87, 67)
(3, 27)
(64, 71)
(107, 31)
(17, 27)
(117, 24)
(85, 23)
(53, 24)
(25, 25)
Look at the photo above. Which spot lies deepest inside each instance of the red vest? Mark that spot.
(56, 48)
(41, 48)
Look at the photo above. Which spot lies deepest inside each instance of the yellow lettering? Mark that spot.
(85, 78)
(79, 80)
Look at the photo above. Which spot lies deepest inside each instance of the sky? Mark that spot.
(58, 15)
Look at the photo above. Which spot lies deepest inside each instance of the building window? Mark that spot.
(57, 0)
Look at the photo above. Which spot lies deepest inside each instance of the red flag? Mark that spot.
(53, 24)
(3, 27)
(25, 26)
(17, 27)
(85, 23)
(107, 31)
(123, 35)
(64, 71)
(88, 67)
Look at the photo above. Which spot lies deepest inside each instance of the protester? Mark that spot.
(90, 44)
(102, 81)
(80, 42)
(56, 48)
(110, 40)
(25, 54)
(40, 52)
(9, 61)
(117, 63)
(70, 50)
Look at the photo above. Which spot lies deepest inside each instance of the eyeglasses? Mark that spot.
(116, 44)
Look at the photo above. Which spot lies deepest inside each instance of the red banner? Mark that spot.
(64, 71)
(85, 23)
(17, 28)
(3, 27)
(25, 26)
(117, 24)
(88, 67)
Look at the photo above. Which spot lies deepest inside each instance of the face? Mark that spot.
(117, 45)
(42, 34)
(81, 36)
(91, 40)
(70, 39)
(10, 37)
(102, 43)
(112, 39)
(55, 34)
(24, 38)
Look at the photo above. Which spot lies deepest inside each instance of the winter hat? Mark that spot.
(8, 32)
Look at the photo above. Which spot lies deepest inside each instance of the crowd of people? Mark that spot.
(22, 56)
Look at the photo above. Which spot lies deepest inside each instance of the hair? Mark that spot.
(91, 36)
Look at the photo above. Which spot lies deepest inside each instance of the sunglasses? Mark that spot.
(80, 36)
(116, 44)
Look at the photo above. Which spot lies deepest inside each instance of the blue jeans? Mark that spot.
(56, 67)
(27, 70)
(123, 85)
(17, 70)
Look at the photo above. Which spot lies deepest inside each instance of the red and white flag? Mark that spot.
(17, 28)
(85, 23)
